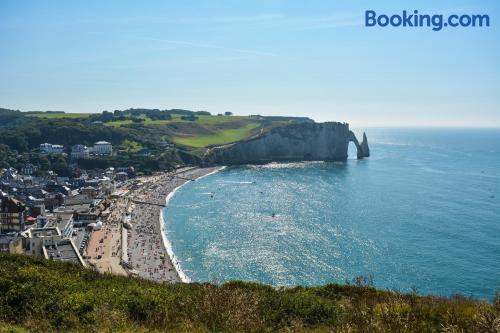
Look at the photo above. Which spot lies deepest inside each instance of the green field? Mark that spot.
(220, 138)
(216, 120)
(202, 132)
(60, 115)
(118, 123)
(147, 121)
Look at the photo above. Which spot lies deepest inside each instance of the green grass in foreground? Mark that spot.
(223, 136)
(44, 296)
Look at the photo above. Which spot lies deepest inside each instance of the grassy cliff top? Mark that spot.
(190, 129)
(41, 295)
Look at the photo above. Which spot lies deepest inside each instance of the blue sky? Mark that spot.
(309, 58)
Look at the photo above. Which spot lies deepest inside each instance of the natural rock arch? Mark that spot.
(362, 148)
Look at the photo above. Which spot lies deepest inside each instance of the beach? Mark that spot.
(148, 254)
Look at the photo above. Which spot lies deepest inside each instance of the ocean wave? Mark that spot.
(433, 170)
(285, 165)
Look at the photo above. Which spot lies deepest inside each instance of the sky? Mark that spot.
(269, 57)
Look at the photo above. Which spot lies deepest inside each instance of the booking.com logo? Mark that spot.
(436, 21)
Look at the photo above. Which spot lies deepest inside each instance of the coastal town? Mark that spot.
(109, 220)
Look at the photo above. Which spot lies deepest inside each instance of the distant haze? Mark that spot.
(302, 58)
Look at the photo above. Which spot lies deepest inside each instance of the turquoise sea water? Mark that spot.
(423, 211)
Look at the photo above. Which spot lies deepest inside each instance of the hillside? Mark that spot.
(138, 136)
(40, 295)
(188, 128)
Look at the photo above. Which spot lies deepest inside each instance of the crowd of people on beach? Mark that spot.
(147, 254)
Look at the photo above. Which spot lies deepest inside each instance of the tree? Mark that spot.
(227, 113)
(203, 113)
(137, 120)
(7, 156)
(59, 165)
(190, 117)
(43, 162)
(107, 116)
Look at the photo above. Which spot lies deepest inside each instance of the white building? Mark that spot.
(28, 169)
(103, 148)
(49, 243)
(49, 148)
(80, 151)
(45, 147)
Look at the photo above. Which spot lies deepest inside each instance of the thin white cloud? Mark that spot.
(296, 23)
(326, 22)
(234, 19)
(158, 65)
(258, 18)
(277, 20)
(211, 46)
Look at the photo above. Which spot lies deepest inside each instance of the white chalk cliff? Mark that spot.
(297, 142)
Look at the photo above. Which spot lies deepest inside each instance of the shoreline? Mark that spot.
(170, 252)
(149, 250)
(164, 232)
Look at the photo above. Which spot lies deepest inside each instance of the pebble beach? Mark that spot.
(146, 249)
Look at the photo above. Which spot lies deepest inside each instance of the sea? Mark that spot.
(421, 214)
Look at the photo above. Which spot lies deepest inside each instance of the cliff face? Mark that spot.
(365, 150)
(297, 142)
(362, 148)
